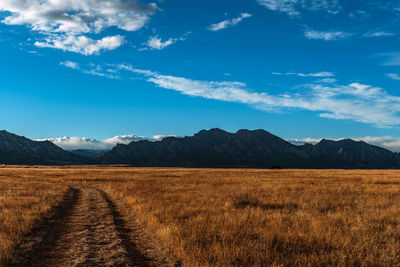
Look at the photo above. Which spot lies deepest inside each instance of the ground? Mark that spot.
(120, 216)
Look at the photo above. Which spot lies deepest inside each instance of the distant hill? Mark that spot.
(250, 149)
(16, 149)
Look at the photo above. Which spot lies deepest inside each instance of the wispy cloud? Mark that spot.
(156, 43)
(317, 74)
(392, 59)
(393, 76)
(358, 102)
(285, 6)
(70, 64)
(107, 71)
(65, 24)
(327, 80)
(295, 8)
(379, 34)
(326, 35)
(228, 23)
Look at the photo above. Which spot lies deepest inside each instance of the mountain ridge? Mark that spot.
(213, 148)
(250, 149)
(19, 150)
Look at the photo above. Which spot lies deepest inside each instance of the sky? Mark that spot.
(127, 69)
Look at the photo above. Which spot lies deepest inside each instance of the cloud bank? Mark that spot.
(73, 143)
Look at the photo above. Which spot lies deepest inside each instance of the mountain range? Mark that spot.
(16, 150)
(213, 148)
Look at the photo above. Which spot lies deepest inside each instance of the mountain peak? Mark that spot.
(213, 132)
(257, 131)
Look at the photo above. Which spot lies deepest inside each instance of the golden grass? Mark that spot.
(256, 217)
(22, 204)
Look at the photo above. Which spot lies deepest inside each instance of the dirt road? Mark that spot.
(85, 230)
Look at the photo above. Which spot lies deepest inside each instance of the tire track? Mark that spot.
(86, 230)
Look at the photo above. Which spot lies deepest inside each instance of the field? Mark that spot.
(198, 217)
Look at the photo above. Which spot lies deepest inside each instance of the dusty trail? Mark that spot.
(86, 230)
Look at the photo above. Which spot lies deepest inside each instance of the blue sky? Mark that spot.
(297, 68)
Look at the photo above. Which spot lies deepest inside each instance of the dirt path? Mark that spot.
(86, 230)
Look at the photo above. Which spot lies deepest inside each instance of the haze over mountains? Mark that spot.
(208, 148)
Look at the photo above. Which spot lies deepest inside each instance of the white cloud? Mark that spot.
(156, 43)
(317, 74)
(327, 80)
(73, 16)
(393, 76)
(123, 139)
(228, 23)
(393, 59)
(161, 137)
(357, 102)
(73, 143)
(64, 23)
(126, 67)
(388, 142)
(295, 8)
(107, 71)
(326, 35)
(285, 6)
(82, 44)
(379, 34)
(101, 73)
(70, 64)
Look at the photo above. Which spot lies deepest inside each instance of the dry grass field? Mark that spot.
(205, 217)
(22, 204)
